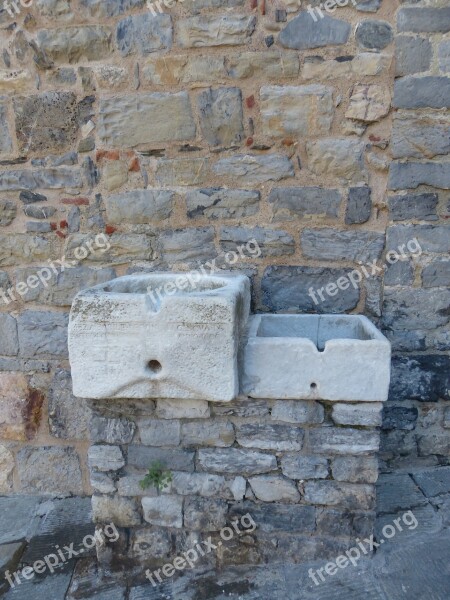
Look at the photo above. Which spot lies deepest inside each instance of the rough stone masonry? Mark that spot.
(184, 134)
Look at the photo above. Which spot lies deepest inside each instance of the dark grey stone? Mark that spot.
(269, 436)
(399, 273)
(354, 524)
(68, 417)
(359, 205)
(74, 219)
(277, 517)
(417, 20)
(412, 55)
(221, 116)
(9, 342)
(286, 289)
(404, 176)
(423, 136)
(38, 227)
(433, 482)
(422, 92)
(181, 245)
(413, 206)
(430, 238)
(415, 308)
(39, 212)
(420, 377)
(46, 179)
(142, 457)
(205, 514)
(291, 202)
(272, 242)
(30, 197)
(303, 32)
(112, 431)
(18, 518)
(398, 492)
(236, 461)
(43, 334)
(374, 35)
(143, 34)
(436, 274)
(8, 212)
(399, 417)
(222, 203)
(329, 244)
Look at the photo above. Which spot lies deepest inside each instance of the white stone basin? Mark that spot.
(161, 335)
(332, 357)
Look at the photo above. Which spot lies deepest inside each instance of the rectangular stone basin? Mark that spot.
(331, 357)
(161, 335)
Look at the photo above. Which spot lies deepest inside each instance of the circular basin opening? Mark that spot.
(154, 366)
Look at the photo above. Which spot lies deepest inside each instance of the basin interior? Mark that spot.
(317, 328)
(161, 285)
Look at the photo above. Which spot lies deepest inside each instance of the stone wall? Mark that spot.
(182, 135)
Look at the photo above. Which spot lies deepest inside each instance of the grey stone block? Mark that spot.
(436, 274)
(345, 523)
(272, 242)
(399, 273)
(222, 203)
(303, 32)
(399, 418)
(43, 334)
(68, 417)
(181, 245)
(398, 492)
(339, 440)
(159, 432)
(215, 30)
(274, 488)
(430, 238)
(444, 56)
(359, 205)
(205, 514)
(165, 511)
(292, 202)
(46, 179)
(236, 461)
(420, 136)
(269, 436)
(144, 34)
(298, 466)
(112, 431)
(49, 470)
(105, 458)
(412, 55)
(140, 206)
(420, 377)
(329, 244)
(123, 512)
(413, 309)
(221, 116)
(18, 518)
(413, 206)
(285, 288)
(434, 482)
(361, 414)
(277, 517)
(206, 433)
(404, 176)
(356, 469)
(69, 45)
(9, 341)
(374, 35)
(241, 408)
(432, 444)
(421, 19)
(8, 211)
(352, 496)
(422, 92)
(254, 168)
(177, 459)
(301, 411)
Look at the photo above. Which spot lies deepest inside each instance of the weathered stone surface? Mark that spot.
(53, 178)
(159, 432)
(363, 64)
(6, 145)
(351, 496)
(444, 56)
(221, 116)
(341, 158)
(149, 544)
(369, 103)
(182, 171)
(123, 512)
(436, 274)
(415, 308)
(422, 92)
(256, 168)
(419, 238)
(130, 485)
(6, 469)
(359, 205)
(142, 457)
(117, 248)
(241, 408)
(207, 433)
(355, 469)
(434, 443)
(297, 111)
(420, 377)
(367, 414)
(184, 409)
(114, 174)
(412, 55)
(297, 466)
(273, 488)
(165, 511)
(329, 244)
(302, 32)
(374, 35)
(269, 436)
(72, 44)
(215, 30)
(42, 334)
(9, 341)
(105, 458)
(399, 417)
(420, 136)
(292, 202)
(434, 482)
(205, 514)
(347, 523)
(111, 431)
(235, 460)
(397, 492)
(337, 440)
(269, 65)
(15, 81)
(143, 34)
(298, 411)
(102, 483)
(145, 119)
(49, 470)
(68, 417)
(286, 289)
(277, 517)
(140, 206)
(202, 484)
(39, 212)
(182, 245)
(368, 5)
(420, 19)
(413, 206)
(222, 203)
(169, 70)
(271, 242)
(110, 8)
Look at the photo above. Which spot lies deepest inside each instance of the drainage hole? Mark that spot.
(154, 366)
(313, 386)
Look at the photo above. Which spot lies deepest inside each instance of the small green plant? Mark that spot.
(157, 476)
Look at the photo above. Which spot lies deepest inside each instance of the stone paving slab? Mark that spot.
(433, 482)
(87, 583)
(397, 492)
(18, 517)
(429, 521)
(53, 587)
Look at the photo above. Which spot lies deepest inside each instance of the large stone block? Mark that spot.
(340, 158)
(300, 411)
(8, 212)
(276, 517)
(256, 168)
(205, 514)
(140, 206)
(269, 436)
(416, 308)
(111, 431)
(422, 92)
(142, 457)
(420, 377)
(296, 111)
(169, 70)
(182, 409)
(204, 433)
(72, 44)
(369, 103)
(165, 511)
(356, 469)
(298, 466)
(424, 19)
(143, 34)
(182, 171)
(6, 469)
(351, 496)
(145, 119)
(412, 55)
(221, 116)
(51, 178)
(286, 288)
(159, 432)
(290, 203)
(420, 136)
(274, 488)
(9, 341)
(6, 144)
(69, 417)
(49, 470)
(43, 334)
(359, 205)
(305, 32)
(215, 30)
(374, 35)
(416, 239)
(337, 440)
(329, 244)
(271, 242)
(436, 274)
(366, 415)
(222, 203)
(20, 407)
(413, 206)
(105, 458)
(363, 64)
(187, 245)
(268, 65)
(236, 461)
(123, 512)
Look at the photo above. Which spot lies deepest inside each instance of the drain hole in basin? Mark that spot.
(313, 386)
(154, 366)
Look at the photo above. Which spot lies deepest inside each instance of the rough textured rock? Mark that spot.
(123, 512)
(297, 111)
(270, 437)
(413, 206)
(165, 511)
(420, 136)
(412, 55)
(158, 432)
(111, 431)
(436, 274)
(205, 514)
(182, 171)
(164, 70)
(367, 414)
(374, 35)
(422, 92)
(411, 175)
(355, 469)
(140, 206)
(303, 33)
(105, 458)
(202, 433)
(340, 158)
(328, 244)
(425, 378)
(21, 407)
(9, 342)
(221, 116)
(235, 460)
(346, 495)
(69, 417)
(6, 144)
(182, 245)
(298, 466)
(294, 202)
(49, 470)
(359, 205)
(143, 34)
(42, 334)
(271, 242)
(255, 168)
(215, 30)
(265, 64)
(424, 19)
(222, 203)
(369, 103)
(272, 488)
(6, 469)
(343, 441)
(75, 43)
(301, 411)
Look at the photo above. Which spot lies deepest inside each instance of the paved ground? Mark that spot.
(412, 565)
